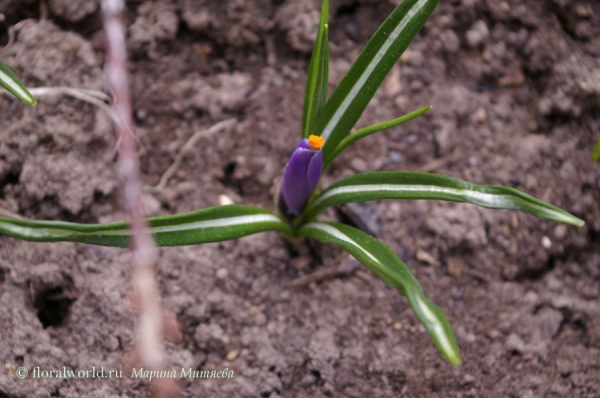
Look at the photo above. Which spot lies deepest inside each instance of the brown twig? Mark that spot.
(43, 10)
(184, 150)
(94, 97)
(7, 213)
(149, 345)
(344, 269)
(439, 162)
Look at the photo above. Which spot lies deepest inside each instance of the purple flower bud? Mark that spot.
(301, 175)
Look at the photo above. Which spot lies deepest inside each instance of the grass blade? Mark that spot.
(11, 82)
(382, 261)
(411, 185)
(362, 133)
(351, 96)
(214, 224)
(315, 93)
(596, 152)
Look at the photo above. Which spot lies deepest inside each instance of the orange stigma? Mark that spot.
(315, 141)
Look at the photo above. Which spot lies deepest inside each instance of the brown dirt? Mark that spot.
(516, 93)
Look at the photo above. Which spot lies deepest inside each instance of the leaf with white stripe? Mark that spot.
(382, 261)
(214, 224)
(352, 95)
(367, 131)
(411, 185)
(317, 80)
(11, 82)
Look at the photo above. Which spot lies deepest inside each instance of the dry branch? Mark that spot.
(149, 345)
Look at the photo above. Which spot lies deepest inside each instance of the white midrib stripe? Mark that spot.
(221, 222)
(372, 65)
(435, 324)
(13, 85)
(481, 197)
(341, 236)
(35, 232)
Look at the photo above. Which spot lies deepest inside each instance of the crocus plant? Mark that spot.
(326, 132)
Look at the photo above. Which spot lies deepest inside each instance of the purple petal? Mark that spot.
(315, 168)
(300, 178)
(304, 144)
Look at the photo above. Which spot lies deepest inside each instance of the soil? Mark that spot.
(515, 89)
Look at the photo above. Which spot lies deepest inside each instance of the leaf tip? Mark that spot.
(454, 358)
(458, 362)
(596, 152)
(571, 220)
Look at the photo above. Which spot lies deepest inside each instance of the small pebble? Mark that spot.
(402, 101)
(232, 355)
(468, 379)
(546, 242)
(222, 273)
(470, 338)
(511, 80)
(583, 10)
(412, 57)
(225, 200)
(560, 231)
(450, 40)
(359, 165)
(427, 258)
(481, 115)
(412, 139)
(377, 164)
(308, 380)
(455, 266)
(392, 84)
(394, 157)
(531, 298)
(478, 33)
(393, 210)
(416, 85)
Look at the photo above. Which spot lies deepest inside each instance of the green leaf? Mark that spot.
(315, 93)
(410, 185)
(362, 133)
(596, 152)
(382, 261)
(214, 224)
(11, 82)
(351, 96)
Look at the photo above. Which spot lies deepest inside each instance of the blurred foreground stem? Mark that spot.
(146, 297)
